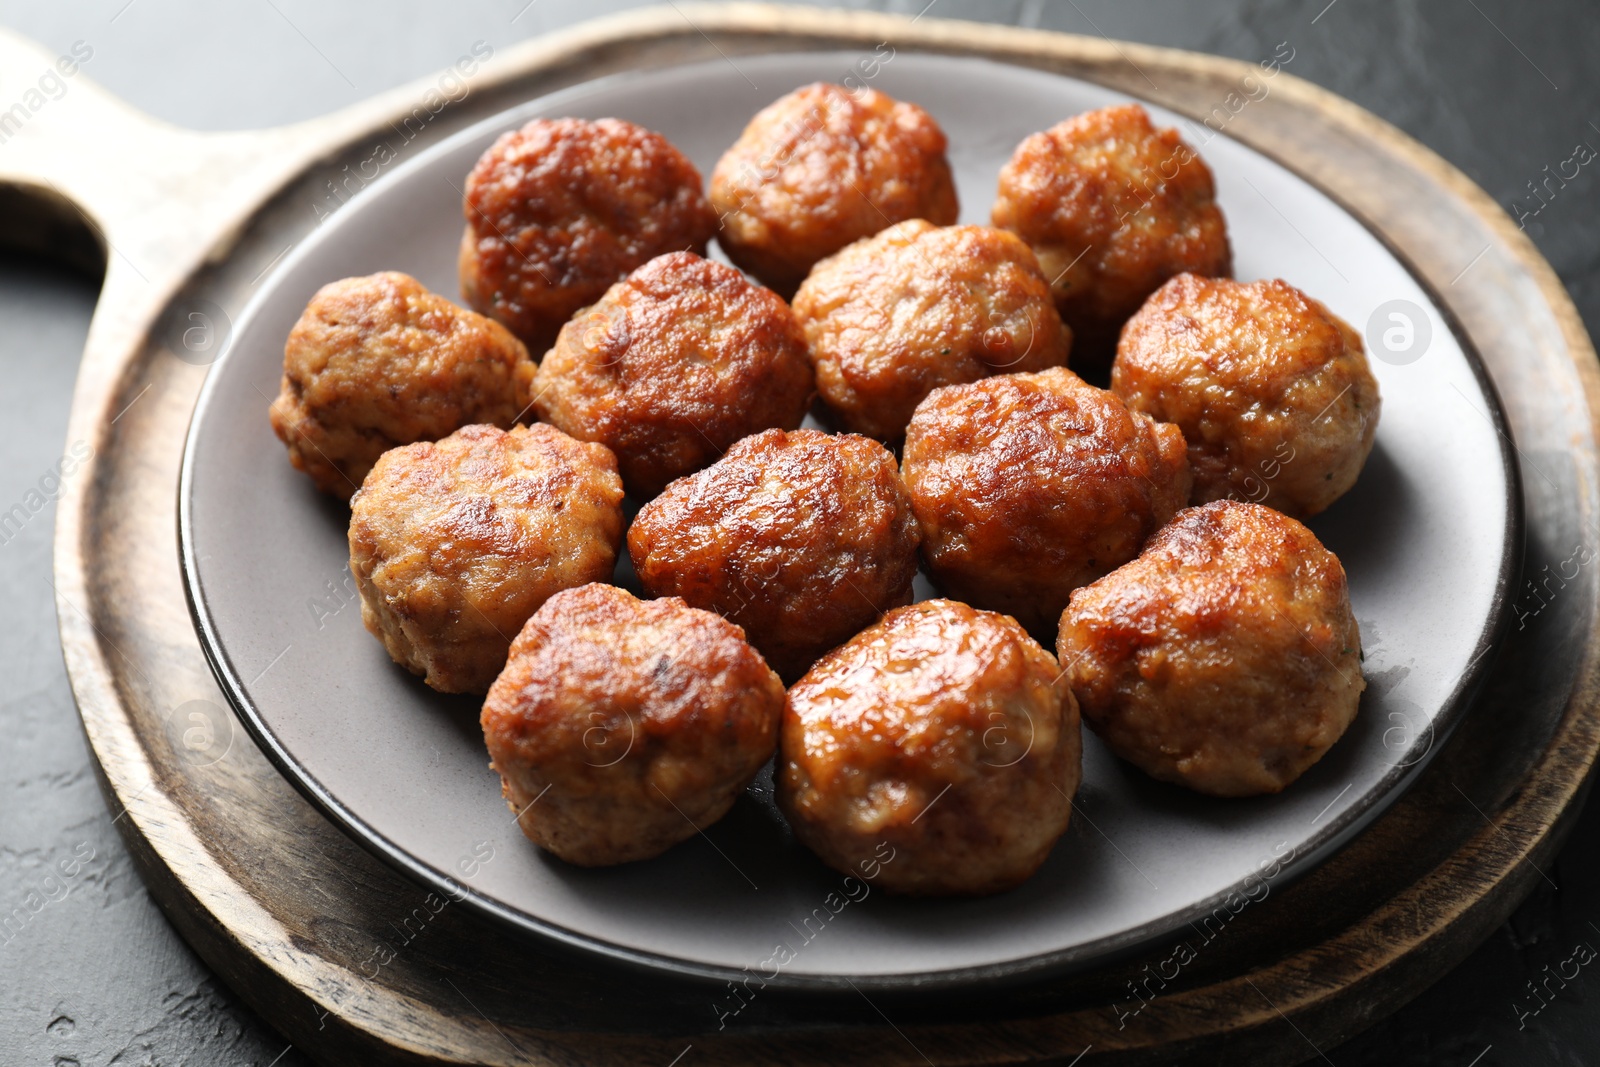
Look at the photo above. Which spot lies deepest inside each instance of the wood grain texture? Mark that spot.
(294, 915)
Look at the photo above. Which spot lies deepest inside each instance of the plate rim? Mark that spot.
(1318, 848)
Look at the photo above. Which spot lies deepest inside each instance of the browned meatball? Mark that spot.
(380, 361)
(560, 209)
(939, 749)
(453, 545)
(622, 727)
(1113, 207)
(894, 316)
(803, 538)
(1271, 389)
(673, 365)
(822, 167)
(1030, 485)
(1225, 658)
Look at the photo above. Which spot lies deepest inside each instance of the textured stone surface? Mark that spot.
(94, 975)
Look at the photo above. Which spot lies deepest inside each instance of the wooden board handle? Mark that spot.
(61, 131)
(158, 199)
(149, 191)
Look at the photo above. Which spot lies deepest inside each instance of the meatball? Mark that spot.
(1030, 485)
(896, 315)
(560, 209)
(380, 361)
(453, 545)
(1225, 658)
(822, 167)
(1113, 207)
(1271, 389)
(621, 727)
(940, 748)
(673, 365)
(802, 538)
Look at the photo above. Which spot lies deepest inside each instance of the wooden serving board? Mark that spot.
(355, 964)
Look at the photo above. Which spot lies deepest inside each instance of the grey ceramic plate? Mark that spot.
(1428, 537)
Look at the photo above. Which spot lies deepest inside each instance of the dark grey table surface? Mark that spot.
(97, 977)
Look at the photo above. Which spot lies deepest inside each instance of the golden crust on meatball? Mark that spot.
(822, 167)
(621, 727)
(1113, 207)
(380, 361)
(899, 314)
(1030, 485)
(673, 365)
(1271, 389)
(802, 538)
(1225, 658)
(940, 746)
(561, 209)
(453, 545)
